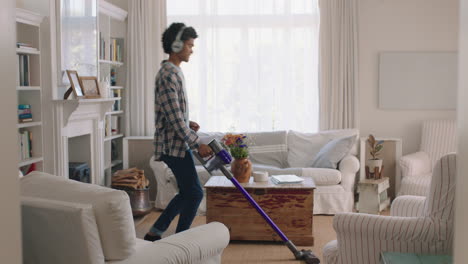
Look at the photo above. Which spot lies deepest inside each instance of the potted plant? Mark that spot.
(241, 167)
(373, 163)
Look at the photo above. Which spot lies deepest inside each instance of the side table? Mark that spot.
(390, 154)
(373, 196)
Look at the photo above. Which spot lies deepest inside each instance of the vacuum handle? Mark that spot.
(198, 157)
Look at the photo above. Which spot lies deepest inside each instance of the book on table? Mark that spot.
(289, 178)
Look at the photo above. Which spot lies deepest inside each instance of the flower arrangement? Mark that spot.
(375, 146)
(237, 145)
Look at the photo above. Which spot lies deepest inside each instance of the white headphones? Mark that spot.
(178, 44)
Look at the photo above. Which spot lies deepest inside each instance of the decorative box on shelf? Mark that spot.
(373, 197)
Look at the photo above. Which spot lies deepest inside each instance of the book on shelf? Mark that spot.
(116, 49)
(113, 77)
(26, 120)
(115, 126)
(23, 45)
(24, 106)
(117, 106)
(283, 179)
(24, 113)
(24, 116)
(29, 49)
(24, 75)
(25, 144)
(102, 44)
(107, 130)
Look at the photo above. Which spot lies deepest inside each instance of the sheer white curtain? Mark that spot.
(146, 23)
(255, 63)
(338, 64)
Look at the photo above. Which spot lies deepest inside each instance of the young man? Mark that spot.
(175, 136)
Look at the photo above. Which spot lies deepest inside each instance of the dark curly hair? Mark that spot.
(170, 34)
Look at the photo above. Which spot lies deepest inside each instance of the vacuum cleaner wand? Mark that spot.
(218, 161)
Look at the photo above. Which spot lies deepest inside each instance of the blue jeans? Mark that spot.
(188, 199)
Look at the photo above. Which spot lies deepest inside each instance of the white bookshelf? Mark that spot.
(113, 25)
(29, 92)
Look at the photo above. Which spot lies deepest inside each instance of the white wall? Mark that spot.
(10, 231)
(37, 6)
(461, 210)
(400, 25)
(120, 3)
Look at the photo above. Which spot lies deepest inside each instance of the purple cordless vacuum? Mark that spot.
(222, 158)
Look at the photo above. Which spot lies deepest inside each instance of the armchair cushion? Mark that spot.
(322, 176)
(74, 234)
(408, 205)
(415, 164)
(190, 246)
(332, 153)
(415, 185)
(111, 208)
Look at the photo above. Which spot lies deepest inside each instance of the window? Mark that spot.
(255, 63)
(77, 27)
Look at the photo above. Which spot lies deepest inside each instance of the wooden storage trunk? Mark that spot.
(288, 205)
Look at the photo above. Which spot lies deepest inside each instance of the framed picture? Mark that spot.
(90, 86)
(75, 83)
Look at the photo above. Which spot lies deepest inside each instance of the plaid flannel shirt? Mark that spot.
(172, 133)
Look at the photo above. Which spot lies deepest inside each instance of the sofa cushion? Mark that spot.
(268, 148)
(59, 232)
(111, 208)
(303, 147)
(335, 150)
(322, 176)
(264, 147)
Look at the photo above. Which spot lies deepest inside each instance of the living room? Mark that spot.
(380, 26)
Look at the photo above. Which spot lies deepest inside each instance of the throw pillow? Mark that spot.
(333, 152)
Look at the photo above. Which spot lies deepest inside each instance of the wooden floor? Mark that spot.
(253, 252)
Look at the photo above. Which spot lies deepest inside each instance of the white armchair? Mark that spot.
(64, 221)
(422, 225)
(438, 138)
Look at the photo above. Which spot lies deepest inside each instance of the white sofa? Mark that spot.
(64, 221)
(283, 152)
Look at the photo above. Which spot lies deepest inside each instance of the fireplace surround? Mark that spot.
(76, 118)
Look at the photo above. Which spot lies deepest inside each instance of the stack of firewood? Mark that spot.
(132, 178)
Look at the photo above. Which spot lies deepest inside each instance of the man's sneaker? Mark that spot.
(151, 238)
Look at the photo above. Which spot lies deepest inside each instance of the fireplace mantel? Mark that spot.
(70, 106)
(78, 117)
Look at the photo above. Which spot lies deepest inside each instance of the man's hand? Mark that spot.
(204, 150)
(194, 126)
